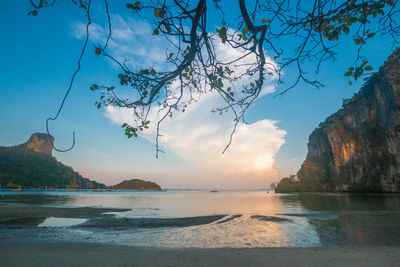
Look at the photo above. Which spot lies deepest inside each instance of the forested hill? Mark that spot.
(136, 184)
(21, 166)
(358, 148)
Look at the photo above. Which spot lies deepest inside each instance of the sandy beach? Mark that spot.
(29, 245)
(81, 254)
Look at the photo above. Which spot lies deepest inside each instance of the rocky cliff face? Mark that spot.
(360, 144)
(41, 143)
(31, 165)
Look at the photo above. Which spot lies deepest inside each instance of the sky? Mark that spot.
(39, 55)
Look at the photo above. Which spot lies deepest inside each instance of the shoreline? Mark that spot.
(342, 193)
(18, 211)
(16, 215)
(107, 239)
(85, 254)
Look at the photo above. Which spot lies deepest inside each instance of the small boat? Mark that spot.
(213, 191)
(15, 190)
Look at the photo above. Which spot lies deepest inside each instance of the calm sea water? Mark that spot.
(253, 218)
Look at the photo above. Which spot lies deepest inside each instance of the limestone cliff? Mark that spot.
(359, 145)
(41, 143)
(31, 165)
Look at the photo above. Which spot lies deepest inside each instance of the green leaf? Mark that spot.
(94, 87)
(98, 105)
(124, 125)
(368, 68)
(220, 83)
(33, 13)
(357, 41)
(370, 35)
(222, 34)
(155, 32)
(349, 73)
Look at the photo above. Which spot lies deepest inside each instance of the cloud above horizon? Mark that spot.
(199, 136)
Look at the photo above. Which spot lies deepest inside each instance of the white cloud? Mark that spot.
(199, 136)
(126, 41)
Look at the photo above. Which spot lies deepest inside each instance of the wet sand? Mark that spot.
(82, 254)
(127, 223)
(28, 248)
(14, 215)
(17, 211)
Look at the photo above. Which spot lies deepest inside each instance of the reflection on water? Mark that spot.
(61, 222)
(253, 218)
(30, 221)
(363, 228)
(44, 222)
(40, 198)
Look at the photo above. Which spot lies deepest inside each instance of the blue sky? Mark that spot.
(39, 55)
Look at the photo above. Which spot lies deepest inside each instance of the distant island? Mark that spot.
(31, 165)
(136, 184)
(357, 149)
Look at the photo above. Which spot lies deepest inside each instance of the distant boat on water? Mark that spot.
(15, 190)
(213, 191)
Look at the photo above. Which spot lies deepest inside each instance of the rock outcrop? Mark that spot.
(359, 145)
(41, 143)
(31, 165)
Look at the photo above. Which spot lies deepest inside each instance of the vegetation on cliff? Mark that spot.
(357, 149)
(136, 184)
(22, 167)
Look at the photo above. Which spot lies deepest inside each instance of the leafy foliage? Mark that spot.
(316, 27)
(288, 185)
(304, 184)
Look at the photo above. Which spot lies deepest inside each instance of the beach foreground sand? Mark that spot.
(84, 254)
(36, 246)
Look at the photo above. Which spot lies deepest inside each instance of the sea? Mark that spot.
(248, 218)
